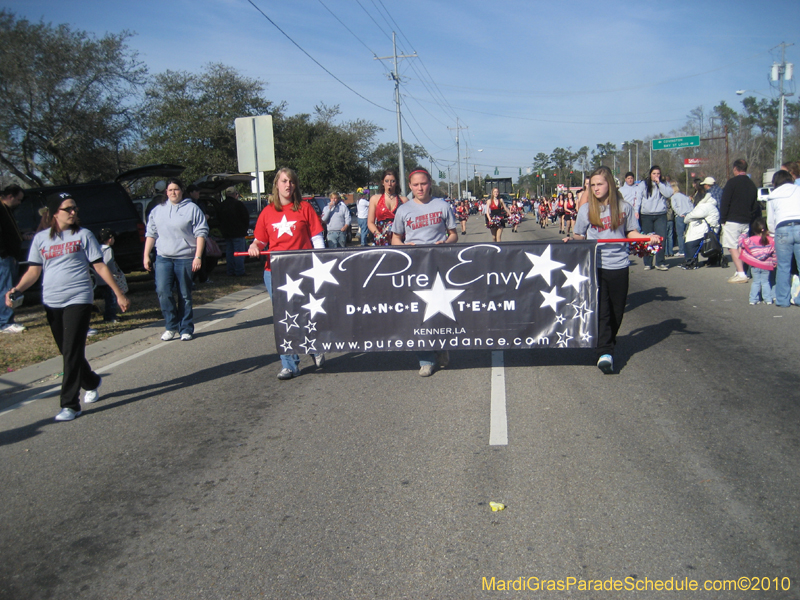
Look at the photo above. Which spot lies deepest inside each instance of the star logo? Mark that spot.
(292, 288)
(582, 311)
(285, 226)
(439, 299)
(312, 326)
(574, 278)
(308, 345)
(585, 337)
(560, 319)
(320, 272)
(563, 339)
(290, 321)
(315, 306)
(542, 265)
(551, 299)
(287, 346)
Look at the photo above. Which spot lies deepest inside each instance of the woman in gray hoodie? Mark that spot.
(652, 210)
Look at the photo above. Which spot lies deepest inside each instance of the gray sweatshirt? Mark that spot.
(176, 227)
(338, 217)
(656, 202)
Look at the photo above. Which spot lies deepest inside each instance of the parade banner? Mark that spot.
(514, 295)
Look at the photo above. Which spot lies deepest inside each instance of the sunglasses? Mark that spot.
(70, 209)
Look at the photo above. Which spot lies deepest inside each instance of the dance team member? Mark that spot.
(383, 207)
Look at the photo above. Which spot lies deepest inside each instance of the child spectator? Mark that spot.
(758, 251)
(110, 299)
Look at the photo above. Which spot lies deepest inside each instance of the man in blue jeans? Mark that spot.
(10, 249)
(337, 217)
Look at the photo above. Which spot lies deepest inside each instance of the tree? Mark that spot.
(188, 118)
(386, 156)
(66, 102)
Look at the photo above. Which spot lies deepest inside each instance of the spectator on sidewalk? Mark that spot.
(10, 253)
(682, 205)
(233, 220)
(336, 216)
(738, 208)
(652, 212)
(362, 207)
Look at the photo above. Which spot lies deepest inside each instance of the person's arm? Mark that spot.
(27, 280)
(725, 202)
(397, 240)
(149, 243)
(347, 218)
(197, 262)
(452, 237)
(326, 214)
(105, 274)
(373, 207)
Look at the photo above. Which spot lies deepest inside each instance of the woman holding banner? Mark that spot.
(382, 209)
(425, 220)
(287, 223)
(606, 215)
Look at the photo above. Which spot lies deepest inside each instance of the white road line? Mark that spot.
(54, 390)
(498, 428)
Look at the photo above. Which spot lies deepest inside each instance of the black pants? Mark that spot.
(69, 326)
(613, 294)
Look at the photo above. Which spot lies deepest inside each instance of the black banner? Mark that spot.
(480, 296)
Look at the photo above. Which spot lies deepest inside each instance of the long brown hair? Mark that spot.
(296, 197)
(614, 199)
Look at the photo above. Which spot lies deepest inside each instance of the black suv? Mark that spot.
(102, 205)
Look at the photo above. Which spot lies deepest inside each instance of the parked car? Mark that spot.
(102, 205)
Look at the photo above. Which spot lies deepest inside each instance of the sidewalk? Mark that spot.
(20, 385)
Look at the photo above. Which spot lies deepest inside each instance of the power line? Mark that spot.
(315, 60)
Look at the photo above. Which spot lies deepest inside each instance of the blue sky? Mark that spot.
(523, 76)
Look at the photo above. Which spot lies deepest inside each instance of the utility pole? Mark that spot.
(457, 128)
(781, 72)
(394, 76)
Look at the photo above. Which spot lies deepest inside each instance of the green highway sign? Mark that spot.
(678, 142)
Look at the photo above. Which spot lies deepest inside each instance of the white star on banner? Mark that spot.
(574, 278)
(287, 319)
(560, 319)
(320, 272)
(312, 326)
(439, 299)
(315, 306)
(582, 311)
(292, 288)
(563, 339)
(285, 226)
(542, 265)
(585, 337)
(286, 345)
(551, 299)
(308, 345)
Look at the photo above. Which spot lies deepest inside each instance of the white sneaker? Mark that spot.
(646, 268)
(606, 364)
(168, 335)
(285, 374)
(662, 267)
(12, 328)
(426, 370)
(319, 360)
(67, 414)
(738, 278)
(92, 396)
(186, 337)
(91, 332)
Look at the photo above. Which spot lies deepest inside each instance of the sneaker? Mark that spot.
(67, 414)
(168, 335)
(662, 267)
(13, 328)
(186, 337)
(679, 255)
(319, 360)
(646, 268)
(426, 370)
(757, 302)
(606, 364)
(285, 374)
(91, 332)
(738, 278)
(443, 359)
(92, 396)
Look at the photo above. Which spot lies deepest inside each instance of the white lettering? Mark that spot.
(398, 307)
(463, 261)
(351, 310)
(491, 306)
(509, 305)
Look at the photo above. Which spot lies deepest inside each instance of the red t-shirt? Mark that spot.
(287, 229)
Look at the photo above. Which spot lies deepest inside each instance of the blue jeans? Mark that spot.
(680, 229)
(288, 361)
(787, 244)
(8, 275)
(762, 286)
(669, 241)
(175, 272)
(336, 238)
(110, 301)
(235, 264)
(654, 224)
(363, 230)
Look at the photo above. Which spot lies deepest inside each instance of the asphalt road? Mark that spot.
(199, 475)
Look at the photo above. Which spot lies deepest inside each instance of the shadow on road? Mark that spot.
(660, 294)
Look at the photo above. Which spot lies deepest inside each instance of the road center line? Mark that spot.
(498, 428)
